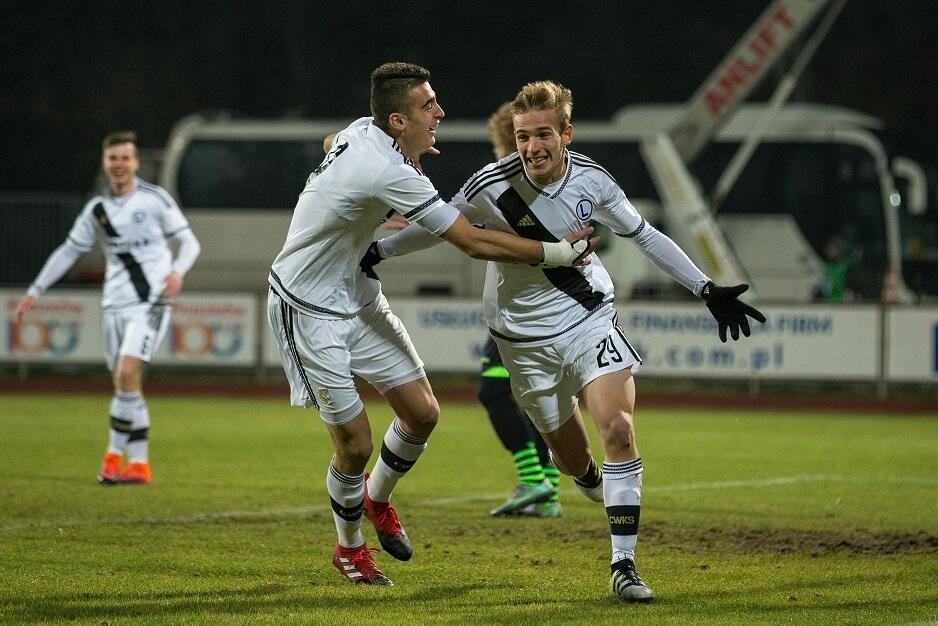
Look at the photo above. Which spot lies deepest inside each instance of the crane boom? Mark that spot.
(667, 155)
(741, 70)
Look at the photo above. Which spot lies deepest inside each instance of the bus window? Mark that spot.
(918, 228)
(919, 235)
(832, 191)
(246, 174)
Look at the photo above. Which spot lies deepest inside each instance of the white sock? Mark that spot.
(622, 495)
(399, 452)
(138, 444)
(347, 494)
(121, 411)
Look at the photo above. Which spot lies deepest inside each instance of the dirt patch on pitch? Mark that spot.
(747, 540)
(815, 543)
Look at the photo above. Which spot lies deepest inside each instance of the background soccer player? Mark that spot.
(536, 493)
(134, 222)
(331, 321)
(556, 328)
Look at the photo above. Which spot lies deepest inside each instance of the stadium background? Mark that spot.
(74, 71)
(819, 512)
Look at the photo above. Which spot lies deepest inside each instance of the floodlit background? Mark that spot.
(74, 71)
(789, 476)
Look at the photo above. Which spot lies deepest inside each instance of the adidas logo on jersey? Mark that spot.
(525, 221)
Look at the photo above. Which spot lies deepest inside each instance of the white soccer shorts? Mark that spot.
(320, 356)
(546, 379)
(134, 331)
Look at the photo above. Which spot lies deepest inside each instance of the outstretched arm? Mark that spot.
(411, 238)
(667, 255)
(483, 244)
(493, 245)
(723, 302)
(59, 262)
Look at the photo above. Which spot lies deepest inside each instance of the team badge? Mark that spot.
(324, 396)
(584, 209)
(139, 217)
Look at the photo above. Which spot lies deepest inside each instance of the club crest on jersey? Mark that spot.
(584, 209)
(527, 220)
(139, 217)
(324, 396)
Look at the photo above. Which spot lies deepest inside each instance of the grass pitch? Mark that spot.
(749, 517)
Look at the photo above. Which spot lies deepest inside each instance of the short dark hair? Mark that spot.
(119, 137)
(391, 84)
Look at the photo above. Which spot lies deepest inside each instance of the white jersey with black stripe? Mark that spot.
(133, 231)
(360, 182)
(526, 303)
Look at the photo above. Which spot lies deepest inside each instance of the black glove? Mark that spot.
(371, 258)
(728, 310)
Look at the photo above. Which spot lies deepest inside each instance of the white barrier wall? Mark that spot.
(675, 339)
(212, 329)
(65, 326)
(912, 344)
(681, 340)
(449, 334)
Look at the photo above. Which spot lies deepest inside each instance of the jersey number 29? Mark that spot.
(607, 349)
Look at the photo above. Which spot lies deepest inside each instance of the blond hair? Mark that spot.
(502, 131)
(545, 95)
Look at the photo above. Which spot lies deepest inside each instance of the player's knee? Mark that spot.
(127, 378)
(431, 415)
(422, 419)
(356, 451)
(618, 434)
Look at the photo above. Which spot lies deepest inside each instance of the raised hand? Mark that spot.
(24, 306)
(728, 310)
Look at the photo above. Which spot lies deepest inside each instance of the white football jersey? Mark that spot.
(360, 182)
(133, 231)
(527, 303)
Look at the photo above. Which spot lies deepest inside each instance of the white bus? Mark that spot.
(820, 175)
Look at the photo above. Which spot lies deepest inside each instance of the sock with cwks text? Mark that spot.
(622, 496)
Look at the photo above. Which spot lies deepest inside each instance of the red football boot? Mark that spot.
(358, 566)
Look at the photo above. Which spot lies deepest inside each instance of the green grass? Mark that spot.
(749, 517)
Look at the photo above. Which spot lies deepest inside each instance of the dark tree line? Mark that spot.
(74, 71)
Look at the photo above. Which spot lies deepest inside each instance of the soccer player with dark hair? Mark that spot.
(134, 222)
(332, 323)
(536, 493)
